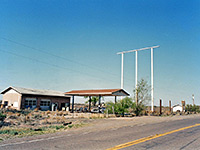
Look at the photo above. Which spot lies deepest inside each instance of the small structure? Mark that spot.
(177, 108)
(21, 98)
(96, 92)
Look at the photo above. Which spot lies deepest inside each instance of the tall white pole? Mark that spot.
(152, 103)
(122, 72)
(136, 76)
(193, 98)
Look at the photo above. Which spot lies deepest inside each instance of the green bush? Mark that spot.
(121, 107)
(11, 132)
(2, 117)
(59, 127)
(110, 106)
(70, 126)
(138, 109)
(192, 108)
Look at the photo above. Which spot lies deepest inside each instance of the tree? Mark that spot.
(143, 92)
(143, 97)
(127, 105)
(94, 100)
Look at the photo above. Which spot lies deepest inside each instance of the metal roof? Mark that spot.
(35, 91)
(98, 92)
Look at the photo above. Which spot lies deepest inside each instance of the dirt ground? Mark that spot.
(109, 123)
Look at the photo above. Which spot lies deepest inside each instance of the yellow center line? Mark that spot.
(149, 138)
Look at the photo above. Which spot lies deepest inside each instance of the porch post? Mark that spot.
(99, 103)
(72, 104)
(115, 99)
(89, 103)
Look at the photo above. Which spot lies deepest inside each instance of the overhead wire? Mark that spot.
(56, 66)
(57, 56)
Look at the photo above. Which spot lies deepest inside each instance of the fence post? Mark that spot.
(160, 107)
(113, 110)
(183, 105)
(170, 106)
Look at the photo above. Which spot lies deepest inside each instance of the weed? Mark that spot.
(60, 127)
(2, 117)
(70, 126)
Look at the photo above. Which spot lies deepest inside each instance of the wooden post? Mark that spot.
(89, 103)
(72, 104)
(99, 103)
(160, 107)
(113, 110)
(183, 105)
(115, 99)
(170, 106)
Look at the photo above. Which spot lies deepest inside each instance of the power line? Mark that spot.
(56, 66)
(57, 56)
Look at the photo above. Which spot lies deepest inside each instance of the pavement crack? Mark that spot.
(188, 144)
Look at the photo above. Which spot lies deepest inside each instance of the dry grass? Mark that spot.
(26, 123)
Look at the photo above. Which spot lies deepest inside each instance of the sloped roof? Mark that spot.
(177, 105)
(97, 92)
(35, 91)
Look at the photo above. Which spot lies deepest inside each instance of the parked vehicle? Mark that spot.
(96, 110)
(85, 109)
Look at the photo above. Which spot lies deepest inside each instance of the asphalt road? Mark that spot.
(85, 139)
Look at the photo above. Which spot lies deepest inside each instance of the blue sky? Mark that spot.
(66, 45)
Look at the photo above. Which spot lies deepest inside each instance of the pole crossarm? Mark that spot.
(138, 49)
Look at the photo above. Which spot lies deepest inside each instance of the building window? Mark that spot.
(5, 103)
(30, 102)
(45, 102)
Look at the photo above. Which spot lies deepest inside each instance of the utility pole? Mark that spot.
(193, 98)
(136, 72)
(136, 78)
(122, 71)
(152, 98)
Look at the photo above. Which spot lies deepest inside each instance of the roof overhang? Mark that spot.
(7, 89)
(35, 92)
(98, 92)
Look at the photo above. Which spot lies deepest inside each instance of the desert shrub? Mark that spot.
(12, 117)
(121, 107)
(70, 126)
(59, 127)
(37, 116)
(138, 109)
(192, 108)
(11, 132)
(25, 112)
(110, 107)
(2, 116)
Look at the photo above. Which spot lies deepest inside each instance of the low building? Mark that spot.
(21, 98)
(96, 93)
(177, 108)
